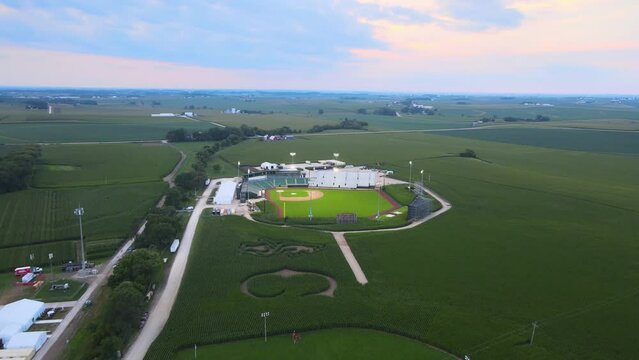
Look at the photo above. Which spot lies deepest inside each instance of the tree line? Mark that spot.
(123, 313)
(344, 124)
(16, 168)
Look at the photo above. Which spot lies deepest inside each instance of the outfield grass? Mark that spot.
(344, 344)
(333, 202)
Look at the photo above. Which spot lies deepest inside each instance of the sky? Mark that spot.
(454, 46)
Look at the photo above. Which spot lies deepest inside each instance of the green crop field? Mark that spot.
(116, 184)
(332, 202)
(346, 344)
(211, 307)
(535, 234)
(83, 165)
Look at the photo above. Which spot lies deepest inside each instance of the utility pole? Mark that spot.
(265, 315)
(79, 212)
(534, 327)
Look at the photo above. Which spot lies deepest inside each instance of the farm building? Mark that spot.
(225, 193)
(21, 313)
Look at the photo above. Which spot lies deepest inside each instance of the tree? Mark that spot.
(174, 197)
(189, 180)
(141, 266)
(320, 112)
(217, 167)
(124, 309)
(468, 153)
(177, 135)
(362, 111)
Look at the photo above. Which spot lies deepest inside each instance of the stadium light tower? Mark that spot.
(410, 173)
(238, 168)
(292, 158)
(422, 172)
(336, 155)
(264, 315)
(79, 212)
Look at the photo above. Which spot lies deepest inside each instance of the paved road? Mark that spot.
(100, 280)
(64, 304)
(159, 314)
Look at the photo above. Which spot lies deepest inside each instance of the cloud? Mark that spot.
(242, 33)
(5, 10)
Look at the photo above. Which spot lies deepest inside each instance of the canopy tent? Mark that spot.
(31, 340)
(225, 194)
(21, 313)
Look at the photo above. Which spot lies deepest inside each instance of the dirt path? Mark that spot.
(171, 176)
(350, 258)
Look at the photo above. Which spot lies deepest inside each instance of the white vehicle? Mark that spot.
(189, 208)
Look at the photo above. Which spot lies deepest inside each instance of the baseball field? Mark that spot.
(326, 203)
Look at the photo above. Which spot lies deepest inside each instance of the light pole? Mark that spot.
(238, 169)
(292, 158)
(534, 327)
(265, 315)
(422, 172)
(248, 175)
(410, 173)
(336, 155)
(79, 212)
(378, 190)
(51, 264)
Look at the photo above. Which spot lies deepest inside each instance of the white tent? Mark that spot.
(21, 313)
(8, 331)
(32, 340)
(225, 194)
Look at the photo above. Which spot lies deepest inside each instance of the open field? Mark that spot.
(330, 202)
(344, 344)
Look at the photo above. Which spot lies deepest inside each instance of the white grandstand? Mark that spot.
(342, 178)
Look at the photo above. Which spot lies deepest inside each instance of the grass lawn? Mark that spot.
(361, 202)
(75, 290)
(344, 344)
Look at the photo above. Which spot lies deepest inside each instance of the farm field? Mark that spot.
(327, 202)
(115, 184)
(579, 140)
(318, 345)
(104, 164)
(531, 231)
